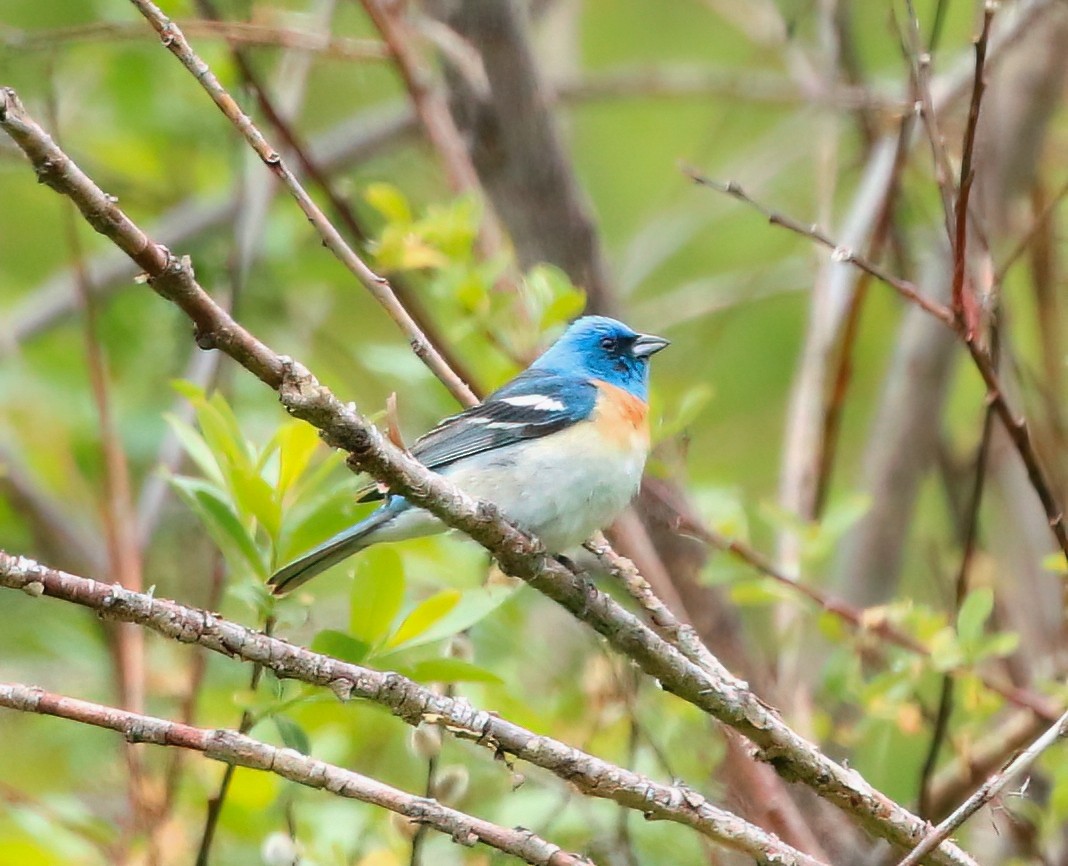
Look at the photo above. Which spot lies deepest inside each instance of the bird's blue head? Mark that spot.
(597, 347)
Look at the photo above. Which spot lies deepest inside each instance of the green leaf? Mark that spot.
(685, 411)
(297, 442)
(221, 522)
(973, 614)
(425, 614)
(1002, 644)
(220, 430)
(756, 592)
(190, 390)
(449, 671)
(377, 594)
(388, 201)
(946, 653)
(340, 646)
(194, 445)
(292, 734)
(256, 498)
(843, 514)
(473, 606)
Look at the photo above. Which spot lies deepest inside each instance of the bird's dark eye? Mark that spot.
(608, 344)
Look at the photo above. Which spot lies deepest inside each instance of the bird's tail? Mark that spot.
(330, 552)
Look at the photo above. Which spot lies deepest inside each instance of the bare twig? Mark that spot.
(516, 148)
(343, 427)
(429, 103)
(920, 70)
(239, 750)
(964, 304)
(660, 616)
(353, 140)
(243, 32)
(839, 253)
(987, 791)
(1016, 426)
(173, 39)
(407, 700)
(1028, 237)
(971, 532)
(118, 520)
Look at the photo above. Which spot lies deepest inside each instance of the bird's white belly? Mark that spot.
(562, 502)
(562, 488)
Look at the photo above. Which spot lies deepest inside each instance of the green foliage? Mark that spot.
(245, 499)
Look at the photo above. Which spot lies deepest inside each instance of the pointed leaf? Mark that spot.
(256, 498)
(474, 606)
(221, 522)
(194, 445)
(974, 612)
(377, 594)
(449, 671)
(292, 734)
(340, 646)
(425, 614)
(297, 442)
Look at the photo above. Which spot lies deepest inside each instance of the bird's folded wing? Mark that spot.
(534, 404)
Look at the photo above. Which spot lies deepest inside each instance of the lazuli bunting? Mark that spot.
(560, 449)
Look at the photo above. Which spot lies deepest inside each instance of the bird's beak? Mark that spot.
(648, 344)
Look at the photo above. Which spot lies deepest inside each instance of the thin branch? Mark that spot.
(920, 71)
(1016, 426)
(215, 803)
(1040, 222)
(987, 791)
(244, 32)
(339, 205)
(727, 699)
(379, 287)
(971, 532)
(839, 253)
(964, 304)
(664, 622)
(407, 700)
(239, 750)
(347, 143)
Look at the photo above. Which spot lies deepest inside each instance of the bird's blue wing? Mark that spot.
(534, 404)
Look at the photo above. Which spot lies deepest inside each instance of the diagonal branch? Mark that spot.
(379, 287)
(240, 750)
(407, 700)
(988, 791)
(721, 696)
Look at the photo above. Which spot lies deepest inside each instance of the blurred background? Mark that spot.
(508, 165)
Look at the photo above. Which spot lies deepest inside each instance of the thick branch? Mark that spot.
(240, 750)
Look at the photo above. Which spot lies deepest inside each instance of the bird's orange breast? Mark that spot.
(621, 418)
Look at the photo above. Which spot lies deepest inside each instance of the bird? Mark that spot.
(560, 449)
